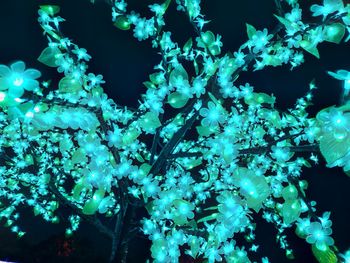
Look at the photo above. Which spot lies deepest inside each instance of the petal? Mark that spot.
(4, 84)
(16, 91)
(32, 73)
(18, 66)
(30, 84)
(4, 71)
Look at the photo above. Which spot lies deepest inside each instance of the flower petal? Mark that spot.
(4, 84)
(30, 84)
(18, 66)
(4, 71)
(32, 73)
(16, 91)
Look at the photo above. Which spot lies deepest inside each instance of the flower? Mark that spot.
(182, 211)
(319, 235)
(342, 75)
(16, 79)
(328, 7)
(213, 115)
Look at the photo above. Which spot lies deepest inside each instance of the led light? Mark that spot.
(2, 96)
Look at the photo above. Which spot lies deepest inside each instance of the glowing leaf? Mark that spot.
(122, 22)
(49, 56)
(208, 218)
(187, 47)
(208, 38)
(334, 33)
(324, 256)
(177, 100)
(69, 85)
(130, 136)
(250, 31)
(309, 47)
(50, 9)
(92, 205)
(149, 122)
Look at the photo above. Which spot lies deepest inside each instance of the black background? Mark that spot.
(125, 63)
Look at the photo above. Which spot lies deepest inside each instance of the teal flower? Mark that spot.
(319, 235)
(16, 79)
(328, 7)
(213, 115)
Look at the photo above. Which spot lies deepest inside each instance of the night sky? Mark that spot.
(125, 63)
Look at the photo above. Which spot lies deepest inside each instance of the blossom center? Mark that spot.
(18, 81)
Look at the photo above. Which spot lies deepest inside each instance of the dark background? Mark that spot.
(125, 63)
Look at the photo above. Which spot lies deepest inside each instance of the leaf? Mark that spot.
(130, 136)
(149, 207)
(92, 205)
(208, 218)
(149, 85)
(50, 9)
(78, 188)
(188, 45)
(192, 163)
(250, 30)
(324, 256)
(208, 38)
(69, 85)
(205, 131)
(122, 22)
(49, 56)
(283, 21)
(150, 121)
(178, 72)
(177, 100)
(333, 149)
(334, 33)
(211, 208)
(309, 47)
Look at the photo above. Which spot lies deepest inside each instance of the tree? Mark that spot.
(203, 153)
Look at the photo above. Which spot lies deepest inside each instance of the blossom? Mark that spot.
(342, 75)
(281, 154)
(213, 115)
(328, 7)
(319, 235)
(16, 79)
(260, 40)
(183, 210)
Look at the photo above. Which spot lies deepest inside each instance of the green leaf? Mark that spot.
(78, 188)
(49, 56)
(149, 85)
(192, 163)
(150, 121)
(334, 33)
(324, 256)
(205, 131)
(211, 208)
(122, 22)
(149, 207)
(50, 9)
(188, 46)
(309, 47)
(69, 85)
(208, 38)
(92, 205)
(208, 218)
(333, 149)
(177, 100)
(283, 21)
(251, 31)
(178, 72)
(130, 136)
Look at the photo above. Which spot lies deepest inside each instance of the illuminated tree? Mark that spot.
(202, 152)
